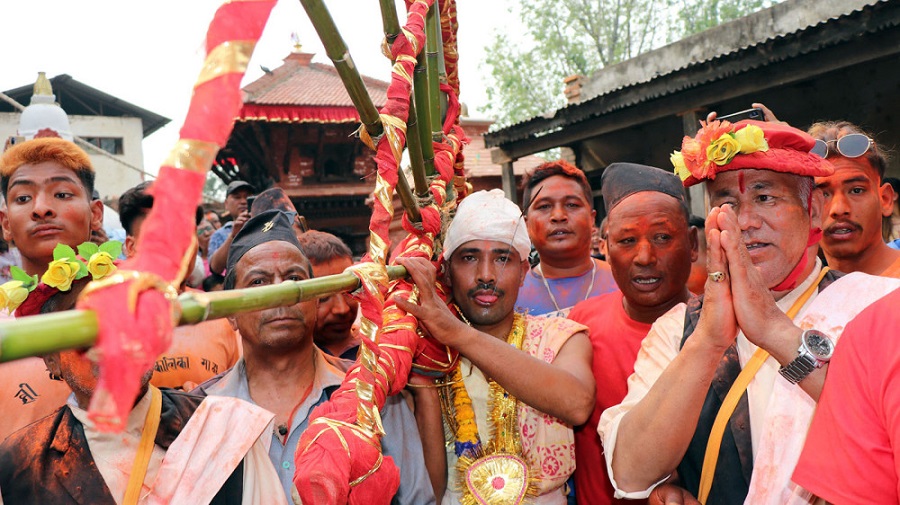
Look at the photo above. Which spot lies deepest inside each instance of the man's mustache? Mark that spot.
(486, 286)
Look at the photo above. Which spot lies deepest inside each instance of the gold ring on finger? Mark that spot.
(717, 276)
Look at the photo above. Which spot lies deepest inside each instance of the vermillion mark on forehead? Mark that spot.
(741, 185)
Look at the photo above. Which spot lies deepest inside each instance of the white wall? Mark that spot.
(113, 178)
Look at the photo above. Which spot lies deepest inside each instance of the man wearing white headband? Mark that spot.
(535, 371)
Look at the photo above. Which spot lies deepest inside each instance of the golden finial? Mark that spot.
(42, 85)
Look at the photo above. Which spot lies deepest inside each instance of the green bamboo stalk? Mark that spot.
(391, 26)
(389, 20)
(432, 45)
(414, 146)
(423, 111)
(39, 335)
(73, 329)
(343, 63)
(442, 66)
(407, 198)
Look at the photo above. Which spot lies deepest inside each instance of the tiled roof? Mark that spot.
(299, 82)
(478, 157)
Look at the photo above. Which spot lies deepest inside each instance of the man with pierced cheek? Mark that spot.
(650, 249)
(522, 381)
(741, 368)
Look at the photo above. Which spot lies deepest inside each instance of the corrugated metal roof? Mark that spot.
(714, 54)
(777, 21)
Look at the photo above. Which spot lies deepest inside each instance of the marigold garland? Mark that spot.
(495, 472)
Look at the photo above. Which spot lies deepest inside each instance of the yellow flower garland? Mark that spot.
(497, 473)
(65, 268)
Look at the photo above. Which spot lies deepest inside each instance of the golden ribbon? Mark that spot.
(229, 57)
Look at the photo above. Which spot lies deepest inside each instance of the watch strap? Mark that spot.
(799, 368)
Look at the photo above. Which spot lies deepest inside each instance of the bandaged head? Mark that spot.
(488, 215)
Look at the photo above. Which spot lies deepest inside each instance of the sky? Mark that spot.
(150, 53)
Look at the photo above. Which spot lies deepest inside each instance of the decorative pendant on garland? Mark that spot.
(497, 478)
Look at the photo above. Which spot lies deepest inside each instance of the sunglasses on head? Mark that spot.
(853, 145)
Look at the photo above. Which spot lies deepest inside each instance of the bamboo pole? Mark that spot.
(343, 62)
(432, 45)
(416, 155)
(391, 26)
(389, 20)
(407, 198)
(423, 112)
(73, 329)
(442, 64)
(337, 50)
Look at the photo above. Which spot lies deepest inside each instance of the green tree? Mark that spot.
(566, 37)
(694, 16)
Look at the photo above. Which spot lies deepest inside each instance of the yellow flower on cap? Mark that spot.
(60, 273)
(12, 294)
(681, 170)
(100, 265)
(722, 150)
(752, 139)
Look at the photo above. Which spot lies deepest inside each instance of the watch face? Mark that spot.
(819, 345)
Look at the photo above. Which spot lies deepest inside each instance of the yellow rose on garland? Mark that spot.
(12, 294)
(681, 170)
(100, 265)
(4, 298)
(722, 150)
(65, 268)
(60, 273)
(100, 258)
(752, 139)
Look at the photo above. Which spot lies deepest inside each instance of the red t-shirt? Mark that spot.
(616, 340)
(852, 451)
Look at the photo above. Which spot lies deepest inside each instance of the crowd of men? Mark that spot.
(646, 359)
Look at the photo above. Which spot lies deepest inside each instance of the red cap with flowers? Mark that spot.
(721, 146)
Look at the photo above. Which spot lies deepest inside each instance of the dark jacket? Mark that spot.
(49, 461)
(731, 481)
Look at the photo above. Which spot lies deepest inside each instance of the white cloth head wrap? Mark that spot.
(488, 215)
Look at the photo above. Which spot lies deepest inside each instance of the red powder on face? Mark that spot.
(741, 186)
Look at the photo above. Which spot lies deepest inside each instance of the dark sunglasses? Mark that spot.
(853, 145)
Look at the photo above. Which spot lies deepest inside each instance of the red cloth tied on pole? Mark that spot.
(135, 317)
(346, 430)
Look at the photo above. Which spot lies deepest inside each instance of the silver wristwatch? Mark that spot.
(815, 350)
